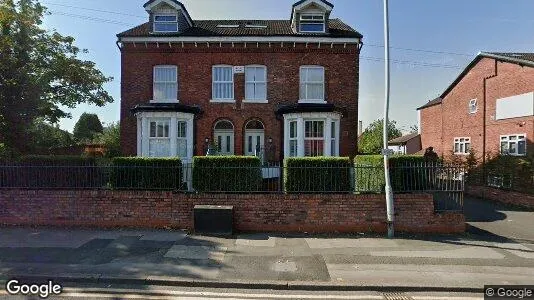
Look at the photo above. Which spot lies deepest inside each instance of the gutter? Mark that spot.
(518, 61)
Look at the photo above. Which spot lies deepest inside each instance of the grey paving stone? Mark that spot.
(164, 236)
(196, 252)
(465, 252)
(256, 240)
(321, 243)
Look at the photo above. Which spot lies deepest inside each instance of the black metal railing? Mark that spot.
(445, 182)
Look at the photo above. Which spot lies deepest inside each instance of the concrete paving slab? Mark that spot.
(164, 236)
(263, 268)
(123, 242)
(196, 252)
(524, 254)
(44, 238)
(320, 243)
(466, 252)
(429, 275)
(255, 240)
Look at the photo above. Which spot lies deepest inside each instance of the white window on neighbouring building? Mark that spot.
(223, 83)
(312, 23)
(515, 144)
(181, 136)
(165, 84)
(293, 142)
(255, 83)
(472, 106)
(462, 145)
(159, 142)
(312, 84)
(165, 23)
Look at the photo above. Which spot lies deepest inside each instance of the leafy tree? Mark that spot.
(111, 139)
(87, 127)
(414, 129)
(371, 141)
(46, 136)
(40, 73)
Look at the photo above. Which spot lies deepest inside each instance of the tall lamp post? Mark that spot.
(385, 151)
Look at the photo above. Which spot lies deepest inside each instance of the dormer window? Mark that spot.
(165, 23)
(312, 23)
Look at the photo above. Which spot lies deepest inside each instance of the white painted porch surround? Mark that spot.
(327, 117)
(143, 119)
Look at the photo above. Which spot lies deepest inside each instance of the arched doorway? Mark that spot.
(224, 137)
(254, 138)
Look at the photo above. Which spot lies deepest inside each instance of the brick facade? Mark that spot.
(283, 61)
(253, 212)
(441, 123)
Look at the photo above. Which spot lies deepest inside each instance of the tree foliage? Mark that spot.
(46, 136)
(371, 141)
(87, 128)
(111, 138)
(40, 73)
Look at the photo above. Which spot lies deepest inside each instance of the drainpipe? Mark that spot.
(484, 98)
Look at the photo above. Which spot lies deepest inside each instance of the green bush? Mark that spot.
(317, 174)
(516, 173)
(227, 173)
(54, 171)
(146, 173)
(369, 174)
(407, 173)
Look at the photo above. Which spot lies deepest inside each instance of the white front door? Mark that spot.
(225, 141)
(254, 140)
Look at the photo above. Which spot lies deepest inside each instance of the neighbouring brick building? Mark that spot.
(488, 108)
(290, 86)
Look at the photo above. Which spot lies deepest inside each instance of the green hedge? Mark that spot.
(227, 173)
(146, 173)
(317, 174)
(52, 171)
(407, 173)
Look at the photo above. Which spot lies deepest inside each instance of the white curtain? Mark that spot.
(223, 83)
(165, 83)
(312, 83)
(256, 87)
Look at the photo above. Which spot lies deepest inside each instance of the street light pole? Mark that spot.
(385, 152)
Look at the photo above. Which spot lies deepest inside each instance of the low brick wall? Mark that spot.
(498, 195)
(254, 212)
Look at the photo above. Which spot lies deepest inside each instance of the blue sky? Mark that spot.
(450, 33)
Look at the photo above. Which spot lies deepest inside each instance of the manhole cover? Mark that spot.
(397, 296)
(285, 266)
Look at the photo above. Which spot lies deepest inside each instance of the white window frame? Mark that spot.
(506, 139)
(329, 118)
(213, 82)
(457, 140)
(181, 138)
(154, 22)
(304, 84)
(312, 21)
(473, 107)
(312, 139)
(255, 82)
(143, 132)
(175, 82)
(167, 138)
(292, 138)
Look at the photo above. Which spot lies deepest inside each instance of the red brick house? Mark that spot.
(287, 85)
(488, 108)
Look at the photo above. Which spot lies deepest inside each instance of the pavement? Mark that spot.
(499, 249)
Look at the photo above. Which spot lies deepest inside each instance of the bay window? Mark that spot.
(165, 134)
(312, 84)
(311, 134)
(165, 84)
(515, 144)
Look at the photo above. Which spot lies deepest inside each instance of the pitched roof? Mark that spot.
(403, 139)
(324, 1)
(431, 103)
(204, 28)
(522, 59)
